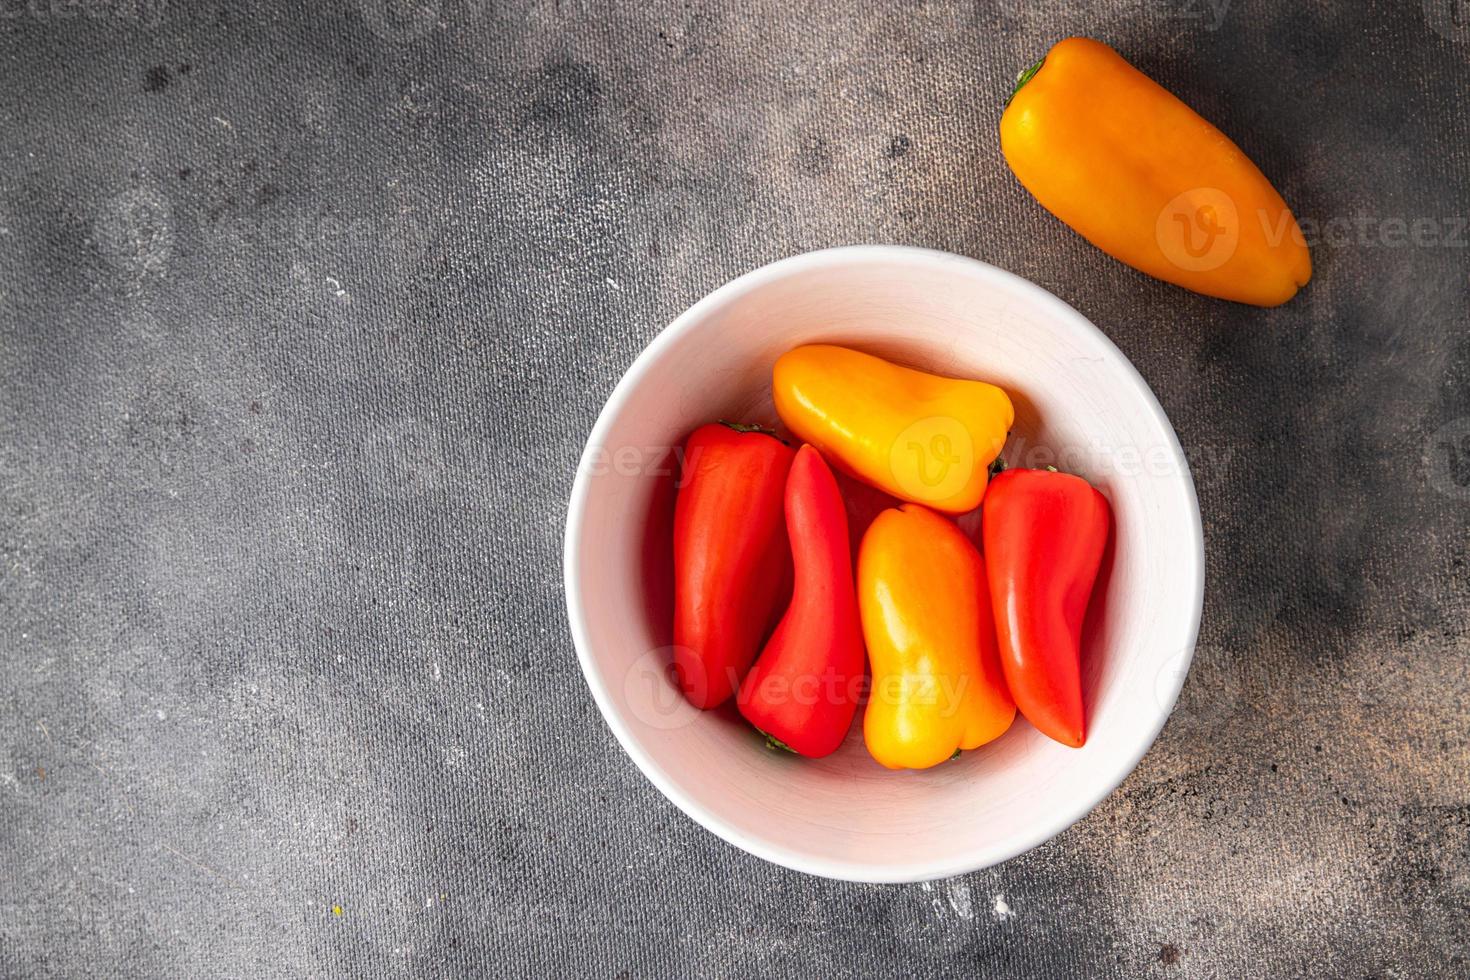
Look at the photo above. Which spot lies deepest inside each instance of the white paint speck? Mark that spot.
(336, 285)
(161, 715)
(614, 283)
(434, 670)
(1002, 909)
(960, 901)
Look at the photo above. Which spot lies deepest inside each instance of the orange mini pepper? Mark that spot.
(925, 608)
(914, 435)
(1143, 177)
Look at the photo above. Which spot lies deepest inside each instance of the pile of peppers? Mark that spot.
(941, 644)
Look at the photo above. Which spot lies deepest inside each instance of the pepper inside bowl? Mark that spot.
(1080, 406)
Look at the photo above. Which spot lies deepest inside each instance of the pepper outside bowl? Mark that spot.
(1080, 406)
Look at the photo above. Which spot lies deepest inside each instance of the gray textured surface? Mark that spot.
(306, 309)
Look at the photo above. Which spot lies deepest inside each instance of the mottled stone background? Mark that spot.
(306, 310)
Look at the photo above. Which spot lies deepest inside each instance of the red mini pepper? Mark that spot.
(732, 567)
(804, 688)
(1044, 535)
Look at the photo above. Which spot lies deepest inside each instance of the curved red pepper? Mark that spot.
(732, 567)
(804, 688)
(1044, 537)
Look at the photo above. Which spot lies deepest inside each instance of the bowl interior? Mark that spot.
(1079, 406)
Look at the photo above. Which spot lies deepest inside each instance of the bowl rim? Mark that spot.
(973, 859)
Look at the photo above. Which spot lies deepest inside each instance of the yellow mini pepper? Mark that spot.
(917, 436)
(925, 607)
(1143, 177)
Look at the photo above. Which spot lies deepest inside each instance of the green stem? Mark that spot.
(742, 428)
(1025, 76)
(773, 743)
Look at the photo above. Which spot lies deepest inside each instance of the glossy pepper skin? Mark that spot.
(1143, 177)
(1044, 536)
(732, 567)
(937, 682)
(917, 436)
(804, 687)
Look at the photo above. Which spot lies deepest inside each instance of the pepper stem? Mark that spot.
(773, 743)
(743, 428)
(1025, 76)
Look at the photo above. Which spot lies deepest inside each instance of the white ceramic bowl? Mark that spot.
(1079, 405)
